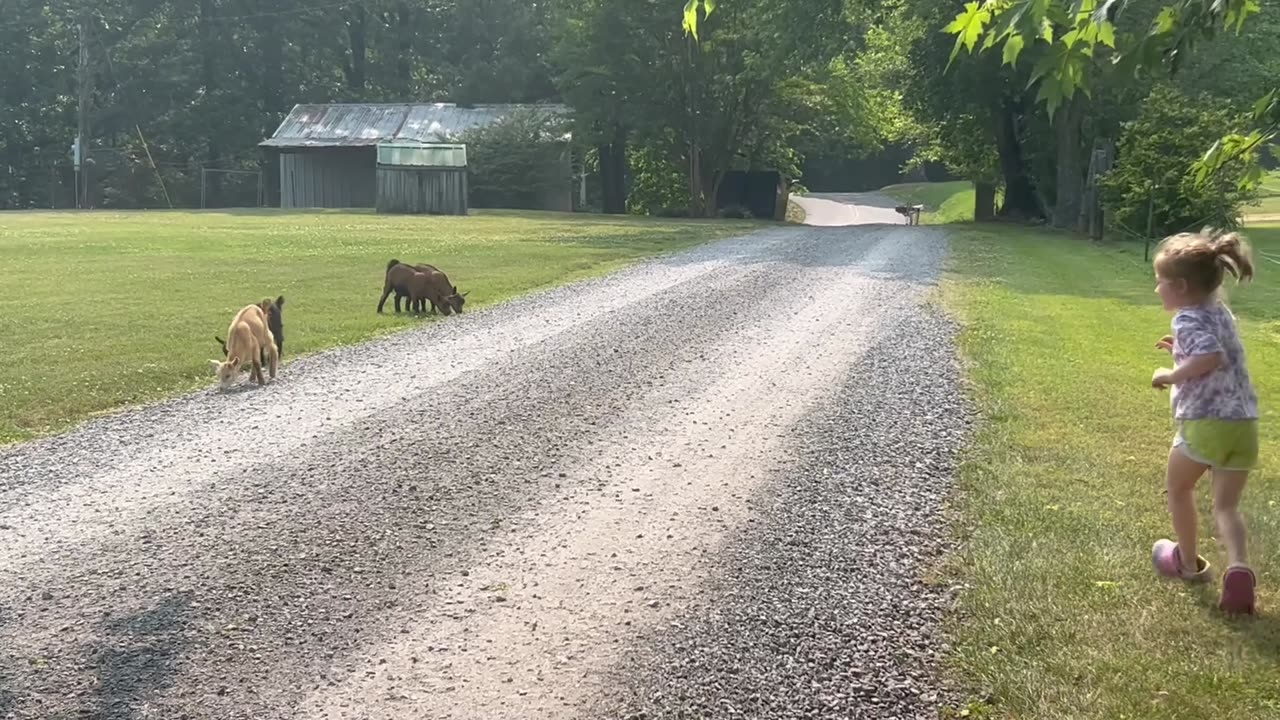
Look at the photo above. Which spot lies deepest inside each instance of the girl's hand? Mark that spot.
(1165, 343)
(1162, 379)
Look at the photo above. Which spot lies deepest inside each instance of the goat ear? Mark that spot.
(215, 365)
(466, 293)
(235, 361)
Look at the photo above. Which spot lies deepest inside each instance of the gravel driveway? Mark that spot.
(706, 486)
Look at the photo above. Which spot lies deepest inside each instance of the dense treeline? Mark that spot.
(171, 87)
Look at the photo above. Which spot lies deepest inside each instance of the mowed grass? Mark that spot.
(1061, 495)
(105, 310)
(1268, 208)
(944, 202)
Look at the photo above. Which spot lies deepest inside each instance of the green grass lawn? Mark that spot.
(105, 310)
(1268, 206)
(1061, 496)
(944, 202)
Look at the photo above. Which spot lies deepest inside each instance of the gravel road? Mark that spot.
(706, 486)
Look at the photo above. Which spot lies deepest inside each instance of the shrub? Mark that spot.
(659, 187)
(1154, 160)
(517, 161)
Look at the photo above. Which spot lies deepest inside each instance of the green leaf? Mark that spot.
(1051, 95)
(1166, 22)
(1044, 66)
(968, 27)
(1082, 12)
(1107, 34)
(1240, 11)
(708, 7)
(691, 18)
(1252, 177)
(1012, 49)
(1263, 107)
(1009, 22)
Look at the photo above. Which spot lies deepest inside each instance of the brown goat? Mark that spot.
(433, 287)
(247, 337)
(421, 284)
(419, 308)
(396, 280)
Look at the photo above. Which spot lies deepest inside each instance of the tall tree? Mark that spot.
(707, 106)
(1086, 30)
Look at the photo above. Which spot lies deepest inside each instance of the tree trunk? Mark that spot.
(208, 47)
(271, 41)
(984, 201)
(618, 175)
(404, 60)
(1070, 172)
(613, 173)
(272, 45)
(608, 201)
(1092, 219)
(357, 22)
(1019, 194)
(697, 203)
(209, 78)
(712, 193)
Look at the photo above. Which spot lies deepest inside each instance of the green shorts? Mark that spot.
(1220, 444)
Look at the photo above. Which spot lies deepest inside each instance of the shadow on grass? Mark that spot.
(1059, 263)
(625, 220)
(137, 658)
(1260, 631)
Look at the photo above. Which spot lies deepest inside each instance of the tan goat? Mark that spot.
(247, 338)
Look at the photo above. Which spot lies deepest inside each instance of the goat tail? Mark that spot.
(392, 264)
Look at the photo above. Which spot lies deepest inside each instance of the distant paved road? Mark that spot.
(844, 209)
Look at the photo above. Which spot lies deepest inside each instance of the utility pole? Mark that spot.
(85, 88)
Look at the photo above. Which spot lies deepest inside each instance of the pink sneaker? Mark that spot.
(1168, 562)
(1237, 591)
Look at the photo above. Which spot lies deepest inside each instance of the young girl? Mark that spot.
(1215, 407)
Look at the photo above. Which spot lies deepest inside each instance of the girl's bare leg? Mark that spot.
(1228, 485)
(1180, 480)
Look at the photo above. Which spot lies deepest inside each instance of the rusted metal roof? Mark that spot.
(357, 125)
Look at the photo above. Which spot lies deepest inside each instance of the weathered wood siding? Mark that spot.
(414, 190)
(328, 178)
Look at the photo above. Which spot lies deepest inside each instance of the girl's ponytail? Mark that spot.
(1235, 255)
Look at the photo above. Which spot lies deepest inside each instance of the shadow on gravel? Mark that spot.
(821, 609)
(136, 658)
(8, 701)
(912, 259)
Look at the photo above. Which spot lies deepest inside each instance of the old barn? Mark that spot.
(328, 154)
